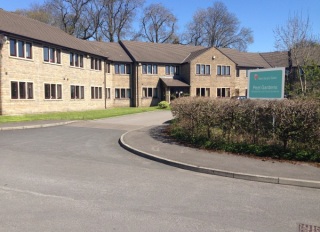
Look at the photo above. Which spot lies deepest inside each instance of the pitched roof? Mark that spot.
(14, 24)
(113, 51)
(276, 59)
(245, 59)
(159, 53)
(195, 54)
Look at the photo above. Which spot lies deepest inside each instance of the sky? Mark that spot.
(261, 16)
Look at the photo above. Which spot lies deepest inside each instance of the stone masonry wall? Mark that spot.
(39, 72)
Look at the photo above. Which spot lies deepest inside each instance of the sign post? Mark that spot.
(266, 83)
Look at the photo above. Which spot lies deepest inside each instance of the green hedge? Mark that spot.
(287, 129)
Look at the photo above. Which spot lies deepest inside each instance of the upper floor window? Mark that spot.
(223, 70)
(150, 69)
(20, 49)
(203, 69)
(96, 63)
(51, 55)
(172, 70)
(21, 90)
(237, 72)
(108, 67)
(76, 60)
(122, 68)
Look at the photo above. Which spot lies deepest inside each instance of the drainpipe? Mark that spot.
(105, 85)
(1, 78)
(2, 42)
(137, 84)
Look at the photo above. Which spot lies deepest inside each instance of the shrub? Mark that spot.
(286, 129)
(163, 105)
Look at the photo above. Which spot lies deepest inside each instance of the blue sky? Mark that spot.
(262, 16)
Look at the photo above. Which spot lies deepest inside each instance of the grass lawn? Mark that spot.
(77, 115)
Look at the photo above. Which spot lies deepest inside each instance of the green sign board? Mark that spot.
(266, 83)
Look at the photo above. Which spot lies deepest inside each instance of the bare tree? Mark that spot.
(80, 18)
(216, 26)
(118, 16)
(195, 29)
(158, 24)
(295, 36)
(38, 12)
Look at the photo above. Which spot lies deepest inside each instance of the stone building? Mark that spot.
(43, 69)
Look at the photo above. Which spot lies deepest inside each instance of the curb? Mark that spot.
(35, 126)
(217, 172)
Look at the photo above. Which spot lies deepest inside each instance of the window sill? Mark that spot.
(19, 99)
(21, 58)
(51, 63)
(76, 67)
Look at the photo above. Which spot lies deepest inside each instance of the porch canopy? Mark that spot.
(170, 82)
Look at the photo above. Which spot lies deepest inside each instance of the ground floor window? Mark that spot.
(77, 92)
(203, 92)
(52, 91)
(149, 92)
(96, 92)
(223, 92)
(122, 93)
(108, 93)
(21, 90)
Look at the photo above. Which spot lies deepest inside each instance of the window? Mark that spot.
(77, 92)
(28, 50)
(21, 49)
(237, 72)
(76, 60)
(223, 70)
(223, 92)
(96, 92)
(122, 68)
(96, 64)
(52, 55)
(13, 49)
(21, 90)
(108, 66)
(108, 93)
(203, 92)
(172, 70)
(149, 92)
(202, 69)
(52, 91)
(58, 56)
(149, 69)
(122, 93)
(71, 59)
